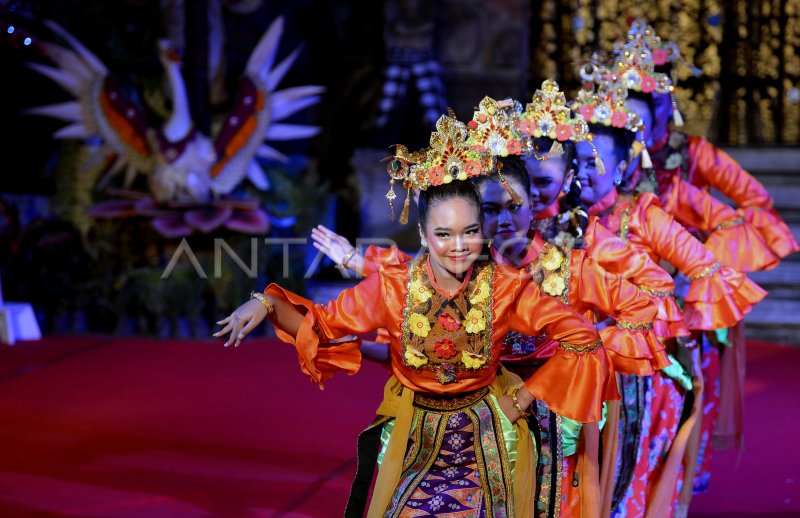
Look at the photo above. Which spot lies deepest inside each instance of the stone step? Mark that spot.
(785, 275)
(766, 159)
(776, 319)
(776, 310)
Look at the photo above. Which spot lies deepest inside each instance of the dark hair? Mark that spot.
(576, 224)
(542, 146)
(647, 98)
(512, 169)
(439, 193)
(623, 139)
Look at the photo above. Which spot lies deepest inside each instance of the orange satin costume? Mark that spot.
(596, 293)
(574, 382)
(732, 239)
(718, 296)
(636, 266)
(708, 166)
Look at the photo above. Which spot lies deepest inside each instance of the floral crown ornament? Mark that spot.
(449, 157)
(494, 130)
(663, 52)
(602, 101)
(549, 116)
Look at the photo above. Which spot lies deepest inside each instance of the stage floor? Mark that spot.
(112, 427)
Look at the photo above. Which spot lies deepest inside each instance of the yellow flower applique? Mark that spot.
(554, 285)
(474, 322)
(419, 291)
(552, 260)
(480, 293)
(415, 358)
(419, 325)
(472, 360)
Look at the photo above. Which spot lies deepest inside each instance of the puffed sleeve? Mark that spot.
(579, 376)
(712, 166)
(376, 256)
(732, 240)
(633, 345)
(718, 296)
(775, 232)
(634, 265)
(346, 315)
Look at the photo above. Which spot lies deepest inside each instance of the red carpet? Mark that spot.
(96, 426)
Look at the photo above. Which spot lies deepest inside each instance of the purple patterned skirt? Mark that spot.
(457, 462)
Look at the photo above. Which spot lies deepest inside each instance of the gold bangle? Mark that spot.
(518, 408)
(262, 299)
(349, 255)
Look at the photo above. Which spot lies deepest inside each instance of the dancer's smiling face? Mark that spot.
(450, 222)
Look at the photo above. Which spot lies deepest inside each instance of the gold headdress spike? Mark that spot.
(602, 101)
(547, 115)
(493, 130)
(449, 157)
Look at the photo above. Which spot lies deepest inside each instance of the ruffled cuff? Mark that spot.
(575, 382)
(319, 358)
(376, 256)
(772, 228)
(634, 348)
(738, 245)
(719, 297)
(669, 320)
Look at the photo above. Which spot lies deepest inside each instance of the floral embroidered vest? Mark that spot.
(448, 335)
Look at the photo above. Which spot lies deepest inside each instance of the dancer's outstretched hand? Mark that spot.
(333, 245)
(243, 320)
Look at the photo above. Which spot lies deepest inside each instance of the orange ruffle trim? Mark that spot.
(575, 385)
(720, 300)
(772, 228)
(669, 321)
(634, 352)
(318, 359)
(742, 247)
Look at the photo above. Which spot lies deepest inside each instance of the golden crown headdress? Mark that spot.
(549, 116)
(663, 52)
(450, 156)
(494, 127)
(635, 67)
(602, 101)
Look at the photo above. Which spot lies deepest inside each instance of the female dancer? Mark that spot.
(718, 296)
(455, 440)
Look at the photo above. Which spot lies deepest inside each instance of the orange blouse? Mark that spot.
(450, 344)
(376, 256)
(718, 296)
(585, 286)
(734, 241)
(635, 265)
(708, 166)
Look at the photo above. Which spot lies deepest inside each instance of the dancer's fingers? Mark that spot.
(224, 330)
(247, 328)
(234, 331)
